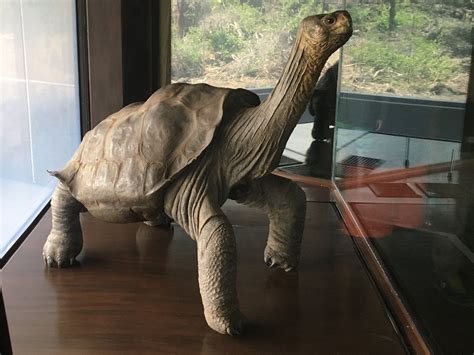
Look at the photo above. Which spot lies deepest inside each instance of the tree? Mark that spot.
(391, 16)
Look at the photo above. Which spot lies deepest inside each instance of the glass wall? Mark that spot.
(244, 44)
(236, 43)
(388, 122)
(402, 157)
(39, 106)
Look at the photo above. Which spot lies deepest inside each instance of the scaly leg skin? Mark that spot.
(285, 204)
(64, 242)
(217, 264)
(193, 202)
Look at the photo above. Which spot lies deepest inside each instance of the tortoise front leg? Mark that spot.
(217, 256)
(285, 204)
(217, 263)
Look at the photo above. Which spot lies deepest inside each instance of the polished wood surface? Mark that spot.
(415, 248)
(136, 291)
(407, 327)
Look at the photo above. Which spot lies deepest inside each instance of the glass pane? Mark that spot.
(39, 106)
(403, 155)
(235, 43)
(245, 44)
(406, 48)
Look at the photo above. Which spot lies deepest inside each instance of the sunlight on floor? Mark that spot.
(299, 142)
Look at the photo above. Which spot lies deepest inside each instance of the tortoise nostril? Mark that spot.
(344, 15)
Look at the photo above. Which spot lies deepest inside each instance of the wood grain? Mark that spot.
(136, 291)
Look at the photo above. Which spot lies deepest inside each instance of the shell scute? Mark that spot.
(123, 140)
(93, 145)
(138, 150)
(130, 181)
(106, 171)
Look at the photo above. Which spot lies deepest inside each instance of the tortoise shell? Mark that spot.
(135, 152)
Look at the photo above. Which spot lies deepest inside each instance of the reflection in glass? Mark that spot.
(401, 160)
(389, 123)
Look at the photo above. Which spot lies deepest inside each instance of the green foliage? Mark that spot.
(247, 20)
(363, 17)
(225, 44)
(381, 22)
(293, 11)
(457, 37)
(412, 19)
(188, 55)
(251, 39)
(413, 63)
(459, 3)
(375, 17)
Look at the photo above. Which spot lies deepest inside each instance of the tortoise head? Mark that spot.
(323, 34)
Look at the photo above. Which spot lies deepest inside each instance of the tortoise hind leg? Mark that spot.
(64, 242)
(284, 202)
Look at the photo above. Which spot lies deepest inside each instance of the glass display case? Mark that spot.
(389, 124)
(403, 156)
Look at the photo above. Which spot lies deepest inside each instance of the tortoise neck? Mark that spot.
(288, 100)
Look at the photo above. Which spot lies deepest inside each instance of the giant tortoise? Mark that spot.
(184, 152)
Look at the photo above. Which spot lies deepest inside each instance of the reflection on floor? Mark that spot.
(394, 151)
(381, 150)
(136, 291)
(20, 203)
(299, 142)
(426, 240)
(313, 157)
(415, 200)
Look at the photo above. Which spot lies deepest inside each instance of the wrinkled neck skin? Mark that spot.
(266, 128)
(288, 100)
(251, 142)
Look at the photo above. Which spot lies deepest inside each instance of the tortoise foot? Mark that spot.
(282, 260)
(60, 251)
(233, 325)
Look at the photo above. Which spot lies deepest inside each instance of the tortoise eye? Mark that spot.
(329, 20)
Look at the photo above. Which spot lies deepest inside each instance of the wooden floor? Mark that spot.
(136, 292)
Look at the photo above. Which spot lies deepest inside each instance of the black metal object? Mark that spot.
(362, 162)
(356, 165)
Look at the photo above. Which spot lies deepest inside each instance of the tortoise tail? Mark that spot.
(67, 174)
(56, 174)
